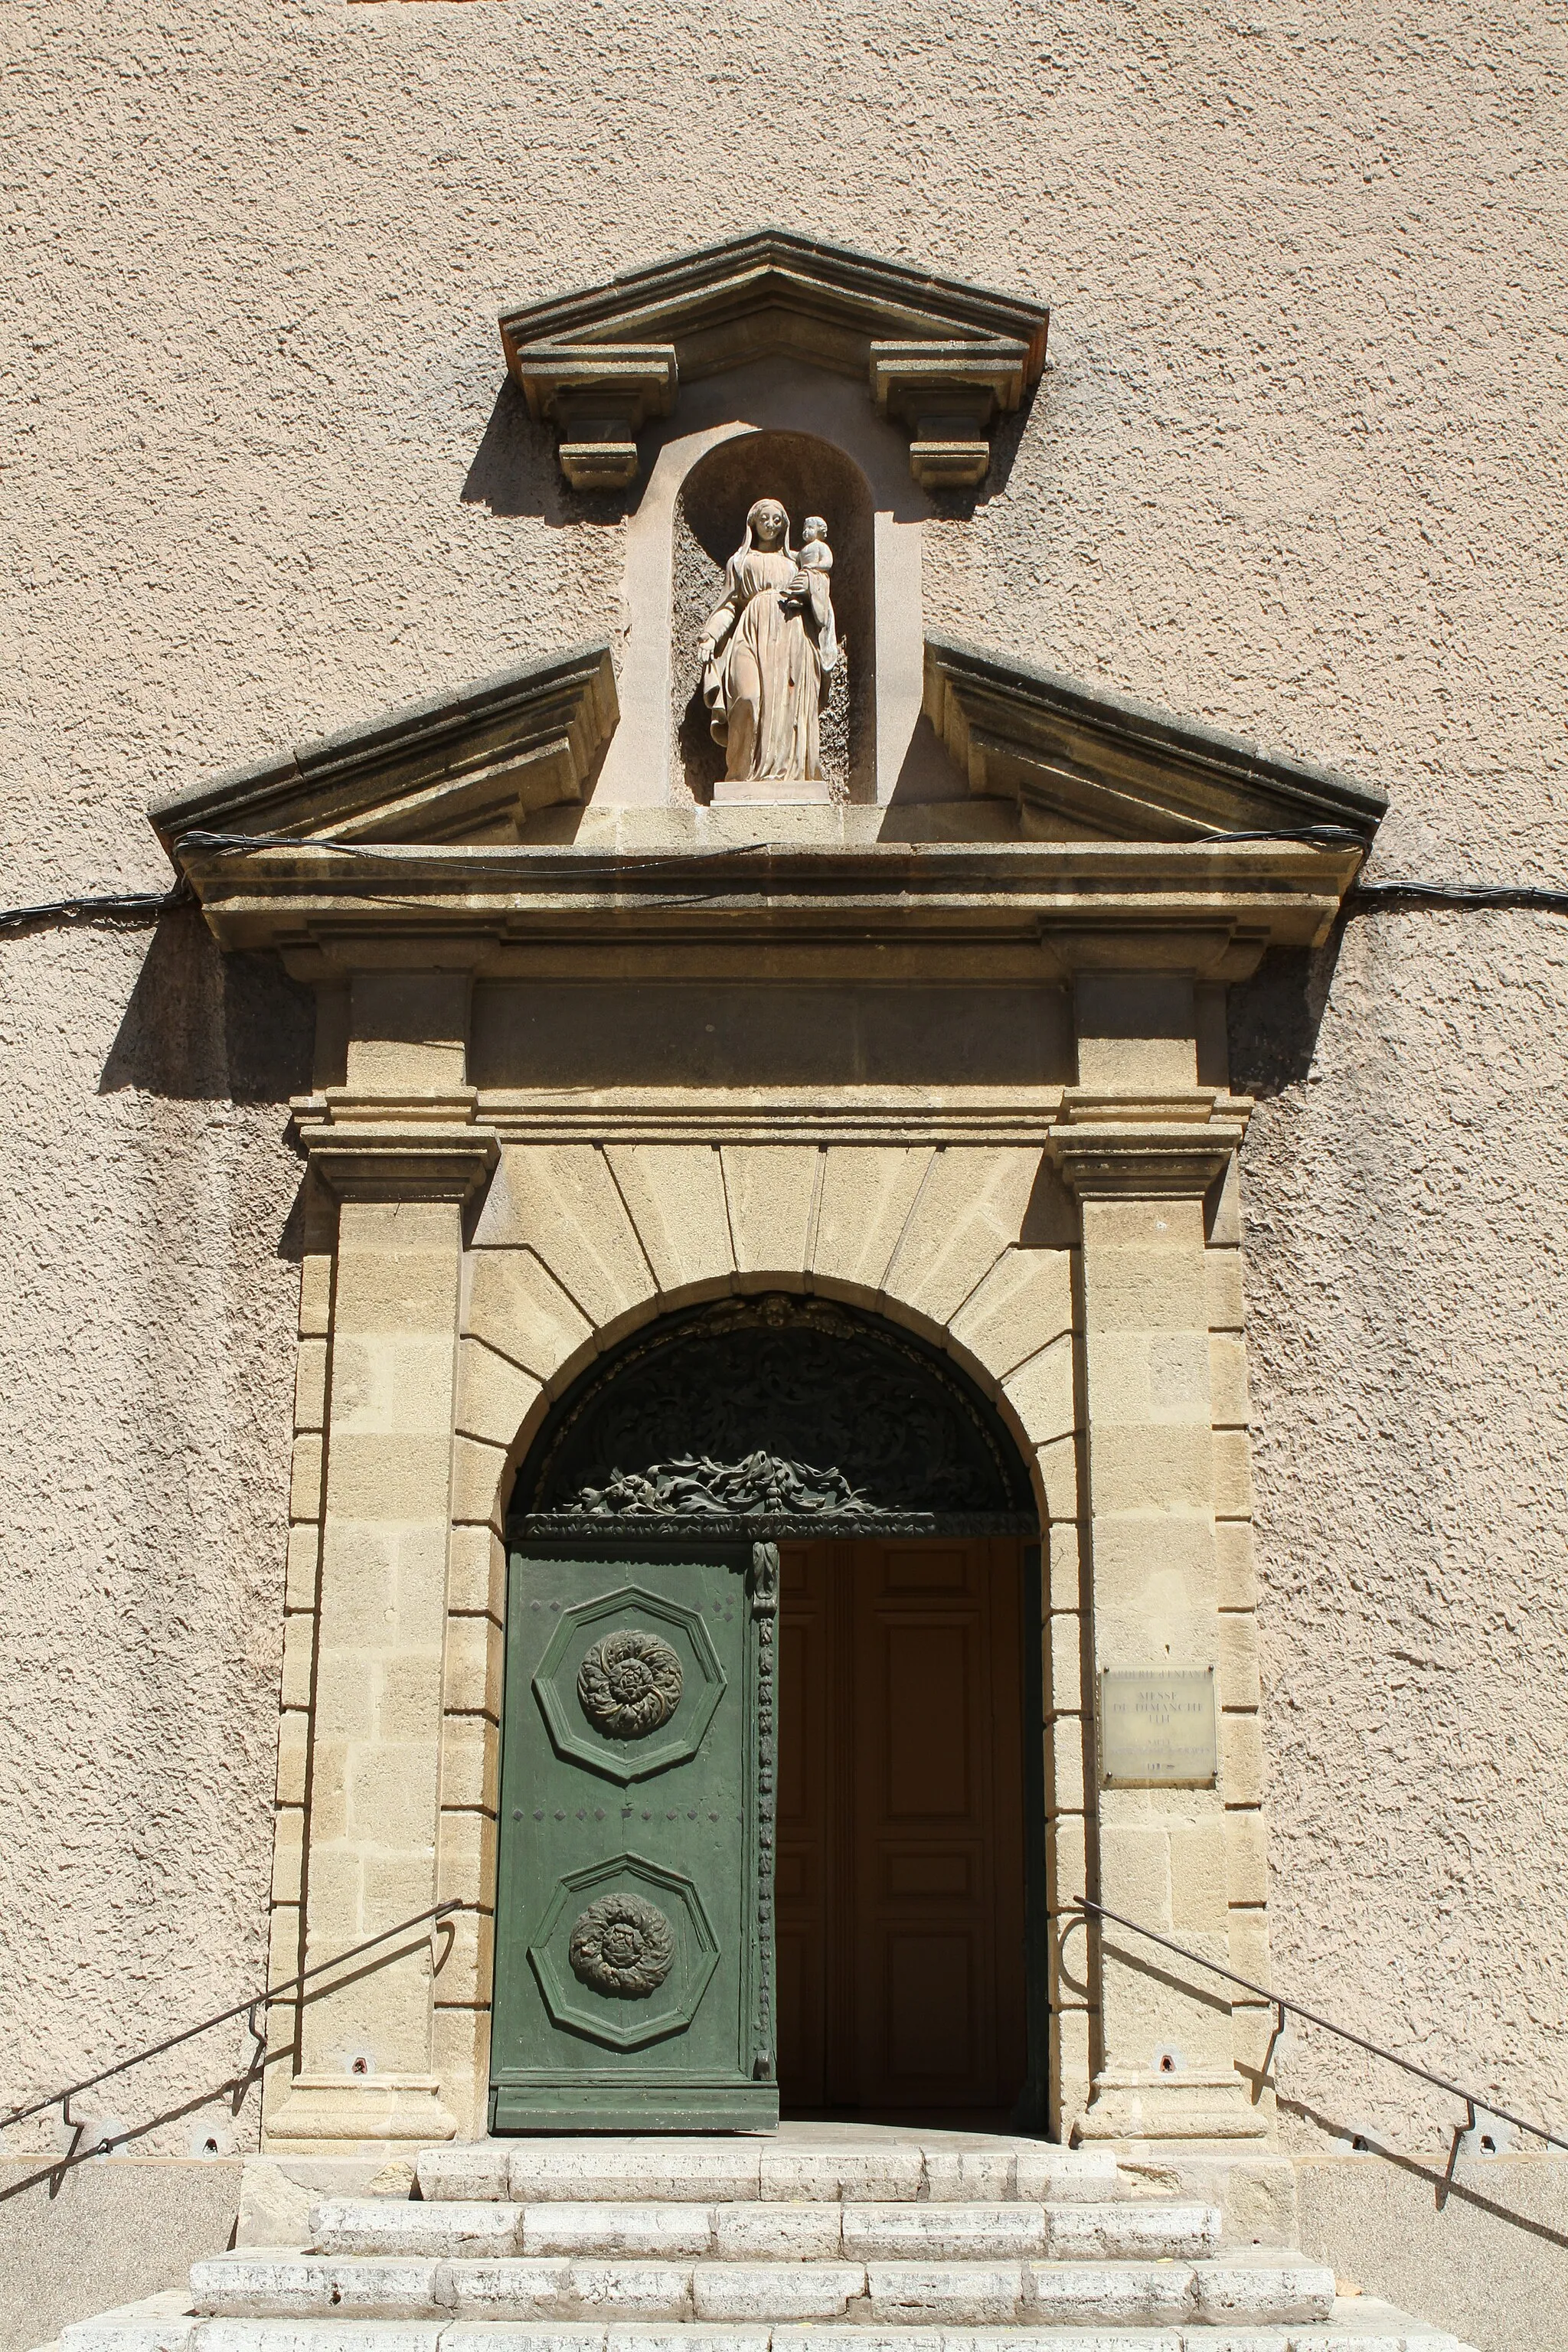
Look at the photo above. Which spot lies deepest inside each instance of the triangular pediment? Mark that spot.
(1083, 763)
(775, 290)
(469, 766)
(943, 358)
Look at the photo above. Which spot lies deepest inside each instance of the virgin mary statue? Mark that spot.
(767, 653)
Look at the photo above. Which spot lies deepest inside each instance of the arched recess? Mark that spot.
(656, 667)
(779, 1405)
(807, 1432)
(810, 475)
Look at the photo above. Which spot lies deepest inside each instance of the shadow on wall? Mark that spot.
(514, 472)
(1274, 1018)
(202, 1026)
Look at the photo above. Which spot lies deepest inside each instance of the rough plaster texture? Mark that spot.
(1406, 1292)
(146, 1359)
(1295, 466)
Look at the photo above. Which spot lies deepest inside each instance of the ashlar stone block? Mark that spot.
(771, 1189)
(561, 1201)
(969, 1210)
(1022, 1305)
(867, 1195)
(1041, 1394)
(675, 1196)
(495, 1396)
(516, 1306)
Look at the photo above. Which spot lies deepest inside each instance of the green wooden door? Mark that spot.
(634, 1912)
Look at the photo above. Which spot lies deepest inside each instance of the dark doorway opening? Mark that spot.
(882, 1855)
(901, 1978)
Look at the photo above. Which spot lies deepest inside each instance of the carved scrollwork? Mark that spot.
(694, 1486)
(622, 1945)
(629, 1683)
(725, 1413)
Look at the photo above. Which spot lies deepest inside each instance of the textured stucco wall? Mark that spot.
(146, 1360)
(1295, 466)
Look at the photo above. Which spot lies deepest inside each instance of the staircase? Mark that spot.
(815, 2242)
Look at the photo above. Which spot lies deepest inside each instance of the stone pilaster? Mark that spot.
(400, 1158)
(1143, 1159)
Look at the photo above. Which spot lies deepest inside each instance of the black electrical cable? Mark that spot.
(135, 907)
(1460, 894)
(131, 907)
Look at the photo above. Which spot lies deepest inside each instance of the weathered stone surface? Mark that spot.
(966, 2232)
(966, 2294)
(630, 2171)
(675, 1196)
(666, 2229)
(782, 2291)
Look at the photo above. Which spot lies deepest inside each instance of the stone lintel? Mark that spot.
(1115, 905)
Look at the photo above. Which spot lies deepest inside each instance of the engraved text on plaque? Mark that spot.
(1158, 1728)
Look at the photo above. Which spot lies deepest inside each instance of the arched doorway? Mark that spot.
(768, 1830)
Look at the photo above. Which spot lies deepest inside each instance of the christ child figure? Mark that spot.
(812, 585)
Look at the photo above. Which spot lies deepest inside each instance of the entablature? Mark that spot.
(1210, 909)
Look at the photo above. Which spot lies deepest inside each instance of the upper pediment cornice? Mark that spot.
(1085, 763)
(943, 358)
(405, 840)
(468, 765)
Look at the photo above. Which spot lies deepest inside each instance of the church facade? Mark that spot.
(782, 1355)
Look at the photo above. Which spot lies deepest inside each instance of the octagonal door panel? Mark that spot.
(633, 1922)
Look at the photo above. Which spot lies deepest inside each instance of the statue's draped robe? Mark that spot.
(764, 684)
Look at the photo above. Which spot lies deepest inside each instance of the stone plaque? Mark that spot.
(1158, 1728)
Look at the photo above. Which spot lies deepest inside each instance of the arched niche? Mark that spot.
(656, 665)
(810, 475)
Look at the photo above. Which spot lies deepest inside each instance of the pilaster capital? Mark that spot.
(1152, 1146)
(386, 1147)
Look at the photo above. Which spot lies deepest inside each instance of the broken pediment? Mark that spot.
(470, 766)
(407, 841)
(941, 358)
(1082, 763)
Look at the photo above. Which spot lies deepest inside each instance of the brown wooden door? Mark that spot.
(900, 1842)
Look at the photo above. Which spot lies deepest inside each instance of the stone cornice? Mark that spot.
(396, 1147)
(1082, 762)
(468, 764)
(1207, 908)
(1162, 1147)
(944, 357)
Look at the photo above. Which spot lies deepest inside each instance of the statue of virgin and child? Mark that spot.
(770, 649)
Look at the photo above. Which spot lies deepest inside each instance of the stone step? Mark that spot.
(748, 2231)
(159, 2325)
(1234, 2290)
(712, 2171)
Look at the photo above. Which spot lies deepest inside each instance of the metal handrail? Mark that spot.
(249, 2010)
(1282, 2004)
